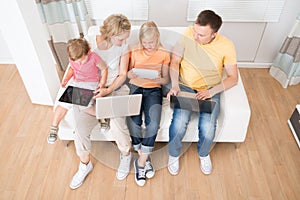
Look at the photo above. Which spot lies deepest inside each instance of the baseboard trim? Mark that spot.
(253, 65)
(7, 61)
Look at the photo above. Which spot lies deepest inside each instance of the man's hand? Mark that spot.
(203, 94)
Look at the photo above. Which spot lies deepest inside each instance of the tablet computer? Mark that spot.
(192, 104)
(76, 95)
(145, 73)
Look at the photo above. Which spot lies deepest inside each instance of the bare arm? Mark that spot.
(122, 73)
(174, 70)
(165, 75)
(230, 81)
(68, 75)
(101, 92)
(104, 71)
(130, 73)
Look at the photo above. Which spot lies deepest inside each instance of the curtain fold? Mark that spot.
(63, 20)
(286, 66)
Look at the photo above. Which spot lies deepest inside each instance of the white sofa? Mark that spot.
(232, 122)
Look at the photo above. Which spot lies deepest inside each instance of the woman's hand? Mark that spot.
(102, 92)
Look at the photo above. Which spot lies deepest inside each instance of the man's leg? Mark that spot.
(207, 127)
(177, 131)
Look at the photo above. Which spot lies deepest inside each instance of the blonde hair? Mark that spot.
(77, 48)
(149, 30)
(114, 25)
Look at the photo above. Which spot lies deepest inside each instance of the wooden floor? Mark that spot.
(266, 165)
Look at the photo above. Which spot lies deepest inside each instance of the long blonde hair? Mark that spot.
(113, 25)
(149, 30)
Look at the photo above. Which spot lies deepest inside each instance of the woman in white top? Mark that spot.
(111, 46)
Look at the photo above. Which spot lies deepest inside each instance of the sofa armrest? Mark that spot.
(234, 114)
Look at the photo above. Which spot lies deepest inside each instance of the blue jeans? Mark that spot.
(151, 107)
(206, 127)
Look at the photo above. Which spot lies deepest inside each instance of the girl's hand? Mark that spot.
(64, 83)
(158, 80)
(174, 91)
(131, 74)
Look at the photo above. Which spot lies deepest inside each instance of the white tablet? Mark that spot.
(146, 73)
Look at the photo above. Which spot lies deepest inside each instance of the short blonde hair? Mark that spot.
(113, 25)
(149, 30)
(77, 48)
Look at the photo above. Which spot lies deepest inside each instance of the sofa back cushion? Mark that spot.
(168, 36)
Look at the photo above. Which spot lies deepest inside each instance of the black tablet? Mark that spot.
(192, 104)
(76, 95)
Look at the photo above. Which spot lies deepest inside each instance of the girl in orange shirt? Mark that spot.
(149, 55)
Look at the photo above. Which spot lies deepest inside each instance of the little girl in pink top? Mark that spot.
(84, 68)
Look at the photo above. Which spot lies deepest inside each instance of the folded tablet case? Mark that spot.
(76, 95)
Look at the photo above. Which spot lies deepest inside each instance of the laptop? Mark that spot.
(118, 106)
(192, 104)
(76, 95)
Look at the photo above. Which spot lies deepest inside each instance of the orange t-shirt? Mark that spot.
(154, 62)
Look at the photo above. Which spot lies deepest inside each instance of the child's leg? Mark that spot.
(152, 113)
(60, 112)
(142, 159)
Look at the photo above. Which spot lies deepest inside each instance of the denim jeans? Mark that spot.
(206, 127)
(151, 108)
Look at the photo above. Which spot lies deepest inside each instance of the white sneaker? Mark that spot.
(140, 174)
(83, 171)
(124, 167)
(205, 164)
(104, 125)
(173, 165)
(150, 171)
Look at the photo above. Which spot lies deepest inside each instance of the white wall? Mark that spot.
(21, 29)
(256, 43)
(5, 55)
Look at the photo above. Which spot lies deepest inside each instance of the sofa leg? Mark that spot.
(66, 142)
(237, 145)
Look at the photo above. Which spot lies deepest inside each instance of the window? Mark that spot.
(133, 9)
(238, 10)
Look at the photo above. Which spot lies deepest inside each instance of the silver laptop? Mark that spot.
(118, 106)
